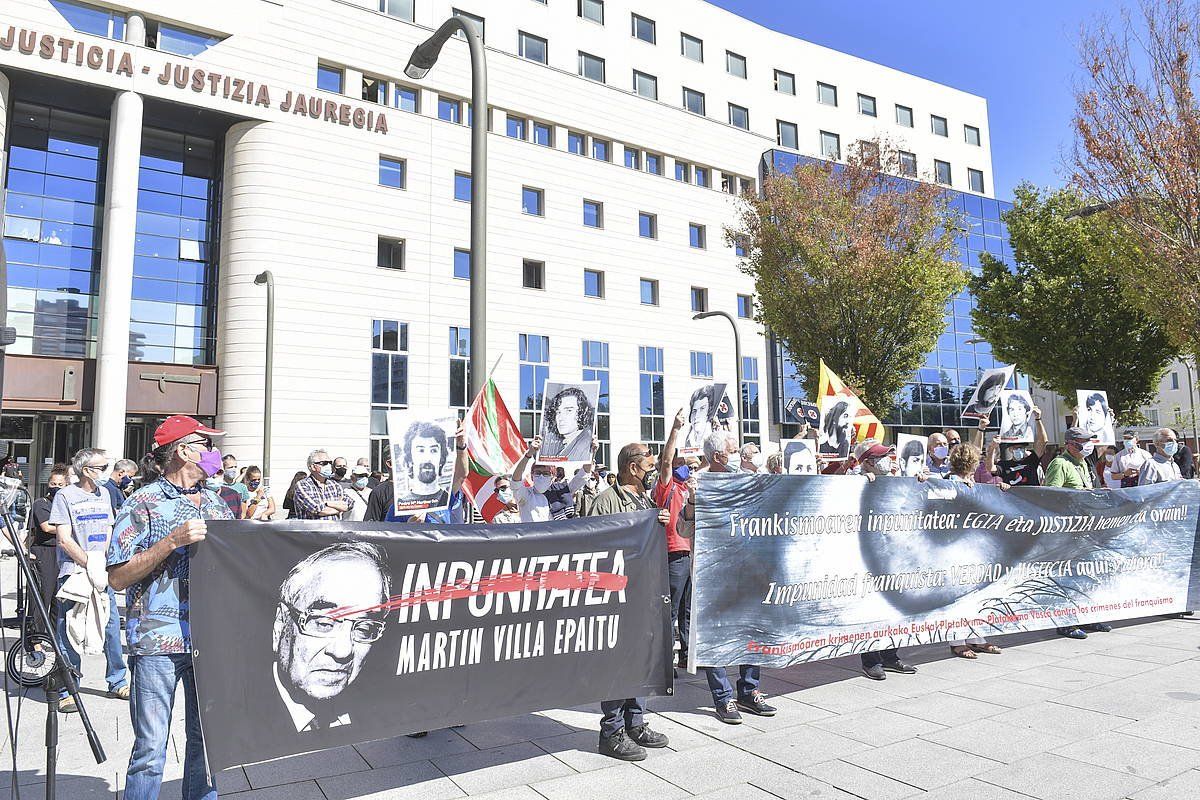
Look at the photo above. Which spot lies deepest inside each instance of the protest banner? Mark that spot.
(790, 569)
(310, 635)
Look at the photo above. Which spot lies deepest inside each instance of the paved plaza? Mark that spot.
(1115, 716)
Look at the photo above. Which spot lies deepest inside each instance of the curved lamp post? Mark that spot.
(737, 354)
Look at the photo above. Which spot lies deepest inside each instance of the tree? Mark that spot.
(1137, 152)
(852, 265)
(1059, 313)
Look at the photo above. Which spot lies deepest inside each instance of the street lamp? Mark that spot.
(737, 354)
(423, 57)
(266, 277)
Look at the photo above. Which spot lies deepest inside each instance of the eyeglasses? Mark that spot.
(98, 467)
(201, 442)
(322, 463)
(323, 626)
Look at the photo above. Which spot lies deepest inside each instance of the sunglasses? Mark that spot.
(323, 463)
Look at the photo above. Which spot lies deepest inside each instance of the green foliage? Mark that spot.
(1059, 313)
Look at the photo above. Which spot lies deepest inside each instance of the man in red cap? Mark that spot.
(155, 532)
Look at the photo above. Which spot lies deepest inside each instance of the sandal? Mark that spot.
(990, 649)
(963, 651)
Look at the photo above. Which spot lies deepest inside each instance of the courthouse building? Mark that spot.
(158, 157)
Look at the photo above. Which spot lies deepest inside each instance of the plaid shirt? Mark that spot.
(311, 497)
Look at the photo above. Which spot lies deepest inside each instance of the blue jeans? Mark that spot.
(619, 714)
(722, 692)
(118, 674)
(679, 577)
(151, 698)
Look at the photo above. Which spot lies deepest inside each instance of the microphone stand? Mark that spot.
(63, 673)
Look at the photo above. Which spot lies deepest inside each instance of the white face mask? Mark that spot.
(1108, 457)
(941, 451)
(1130, 444)
(758, 460)
(541, 483)
(231, 473)
(361, 483)
(505, 495)
(1017, 454)
(1088, 449)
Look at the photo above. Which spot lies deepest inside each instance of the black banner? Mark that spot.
(309, 635)
(791, 568)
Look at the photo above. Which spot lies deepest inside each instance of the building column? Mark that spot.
(4, 104)
(116, 263)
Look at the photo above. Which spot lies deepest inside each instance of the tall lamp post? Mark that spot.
(737, 354)
(1192, 402)
(423, 57)
(266, 277)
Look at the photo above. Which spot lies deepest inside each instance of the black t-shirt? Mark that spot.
(1020, 473)
(39, 513)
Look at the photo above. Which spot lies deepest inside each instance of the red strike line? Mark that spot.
(497, 584)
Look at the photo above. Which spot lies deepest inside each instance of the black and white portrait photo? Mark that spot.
(1095, 416)
(910, 450)
(800, 457)
(836, 435)
(422, 443)
(568, 422)
(987, 393)
(702, 411)
(1016, 416)
(326, 622)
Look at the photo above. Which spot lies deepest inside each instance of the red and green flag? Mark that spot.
(494, 446)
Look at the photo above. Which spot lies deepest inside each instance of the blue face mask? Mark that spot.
(125, 481)
(1170, 449)
(682, 473)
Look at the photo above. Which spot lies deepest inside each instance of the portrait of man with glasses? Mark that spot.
(326, 622)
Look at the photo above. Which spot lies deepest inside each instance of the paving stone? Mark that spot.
(860, 782)
(1135, 698)
(973, 789)
(514, 793)
(844, 697)
(578, 750)
(1064, 679)
(1167, 728)
(1105, 664)
(945, 709)
(996, 740)
(418, 779)
(791, 713)
(877, 726)
(509, 730)
(801, 746)
(301, 790)
(1155, 654)
(707, 768)
(1005, 693)
(1132, 755)
(232, 780)
(501, 767)
(796, 785)
(618, 782)
(921, 763)
(402, 749)
(742, 791)
(322, 764)
(1059, 720)
(704, 721)
(1052, 777)
(1181, 787)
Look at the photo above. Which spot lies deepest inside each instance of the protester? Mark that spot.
(155, 535)
(752, 458)
(674, 490)
(775, 464)
(83, 520)
(964, 460)
(953, 440)
(1161, 468)
(1129, 460)
(588, 494)
(374, 477)
(120, 483)
(260, 505)
(938, 461)
(719, 449)
(1105, 457)
(512, 512)
(341, 472)
(1018, 463)
(229, 488)
(624, 733)
(289, 497)
(381, 503)
(560, 497)
(1184, 459)
(318, 495)
(532, 501)
(1069, 470)
(43, 539)
(360, 493)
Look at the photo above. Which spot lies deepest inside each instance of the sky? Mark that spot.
(1019, 54)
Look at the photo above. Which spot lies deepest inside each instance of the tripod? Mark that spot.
(62, 675)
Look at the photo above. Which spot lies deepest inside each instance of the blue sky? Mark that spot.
(1019, 54)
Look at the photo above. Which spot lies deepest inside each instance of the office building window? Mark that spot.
(592, 10)
(938, 125)
(533, 274)
(831, 145)
(462, 187)
(702, 178)
(460, 366)
(750, 424)
(745, 308)
(785, 82)
(908, 164)
(329, 79)
(699, 299)
(728, 183)
(1174, 381)
(904, 116)
(645, 85)
(683, 171)
(593, 214)
(740, 248)
(180, 41)
(516, 128)
(643, 29)
(534, 355)
(633, 157)
(462, 264)
(391, 172)
(374, 90)
(693, 101)
(739, 117)
(941, 172)
(601, 149)
(866, 105)
(593, 283)
(406, 99)
(450, 109)
(389, 371)
(971, 135)
(735, 65)
(402, 9)
(651, 394)
(691, 47)
(531, 201)
(595, 368)
(649, 292)
(975, 180)
(702, 364)
(826, 94)
(88, 19)
(474, 20)
(787, 134)
(654, 163)
(534, 48)
(390, 253)
(696, 235)
(591, 67)
(543, 134)
(647, 225)
(576, 143)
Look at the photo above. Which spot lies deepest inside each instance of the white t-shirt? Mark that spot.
(91, 519)
(1129, 459)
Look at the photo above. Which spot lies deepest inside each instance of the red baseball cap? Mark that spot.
(178, 426)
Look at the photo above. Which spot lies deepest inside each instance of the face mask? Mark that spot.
(125, 481)
(253, 485)
(648, 479)
(758, 460)
(360, 483)
(51, 491)
(210, 462)
(1130, 444)
(1170, 448)
(231, 473)
(592, 483)
(1108, 457)
(326, 471)
(941, 451)
(340, 472)
(682, 473)
(1087, 449)
(1017, 454)
(505, 495)
(541, 483)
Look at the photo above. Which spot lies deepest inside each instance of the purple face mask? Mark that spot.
(210, 462)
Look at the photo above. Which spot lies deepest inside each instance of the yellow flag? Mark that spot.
(866, 424)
